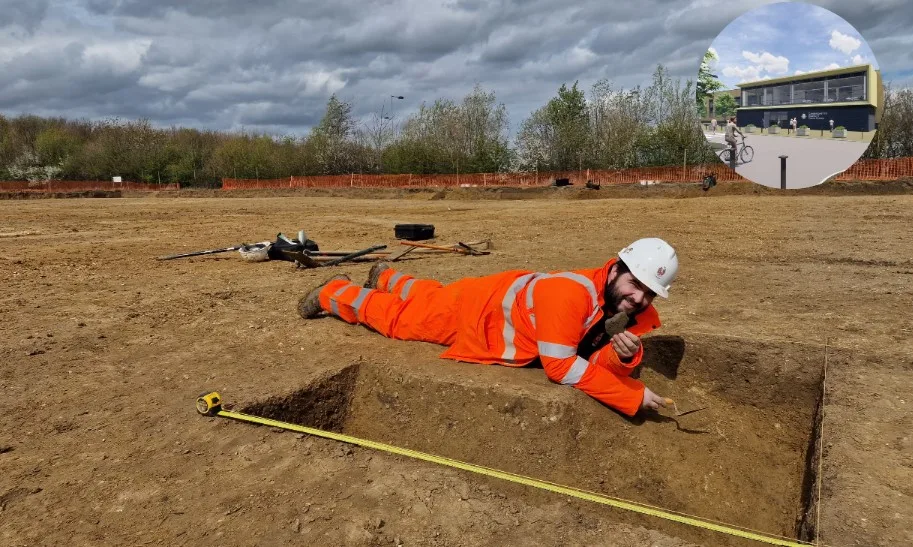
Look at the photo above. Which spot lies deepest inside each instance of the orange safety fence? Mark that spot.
(868, 169)
(879, 169)
(646, 175)
(874, 169)
(81, 186)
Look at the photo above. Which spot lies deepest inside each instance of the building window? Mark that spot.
(842, 88)
(780, 94)
(753, 96)
(846, 89)
(808, 92)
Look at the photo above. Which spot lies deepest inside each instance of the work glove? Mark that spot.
(651, 400)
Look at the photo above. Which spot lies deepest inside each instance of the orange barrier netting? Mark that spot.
(578, 178)
(879, 169)
(81, 186)
(876, 169)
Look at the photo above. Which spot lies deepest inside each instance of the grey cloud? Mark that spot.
(273, 64)
(282, 115)
(27, 15)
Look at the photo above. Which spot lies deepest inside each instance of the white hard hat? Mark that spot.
(258, 252)
(653, 262)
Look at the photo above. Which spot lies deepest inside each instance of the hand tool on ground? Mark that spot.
(466, 248)
(472, 250)
(435, 247)
(330, 254)
(675, 407)
(199, 253)
(356, 254)
(281, 249)
(401, 253)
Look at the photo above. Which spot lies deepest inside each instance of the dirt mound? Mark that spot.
(659, 190)
(62, 195)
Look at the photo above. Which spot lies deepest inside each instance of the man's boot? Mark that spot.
(374, 274)
(309, 305)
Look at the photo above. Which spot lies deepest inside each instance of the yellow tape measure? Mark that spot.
(210, 405)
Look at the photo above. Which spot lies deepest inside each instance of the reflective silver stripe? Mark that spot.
(585, 281)
(529, 296)
(576, 372)
(406, 287)
(362, 294)
(333, 306)
(532, 286)
(510, 350)
(557, 351)
(393, 279)
(588, 283)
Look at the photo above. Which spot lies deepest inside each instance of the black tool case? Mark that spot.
(414, 232)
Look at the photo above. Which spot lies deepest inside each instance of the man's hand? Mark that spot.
(625, 345)
(651, 400)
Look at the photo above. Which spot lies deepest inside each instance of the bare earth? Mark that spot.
(105, 350)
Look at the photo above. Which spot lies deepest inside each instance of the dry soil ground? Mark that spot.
(105, 350)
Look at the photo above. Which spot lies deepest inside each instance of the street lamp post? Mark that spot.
(382, 125)
(398, 97)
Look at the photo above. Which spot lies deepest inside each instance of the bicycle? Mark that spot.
(745, 153)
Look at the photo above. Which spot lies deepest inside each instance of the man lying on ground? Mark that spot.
(516, 317)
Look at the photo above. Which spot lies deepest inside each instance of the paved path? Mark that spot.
(809, 162)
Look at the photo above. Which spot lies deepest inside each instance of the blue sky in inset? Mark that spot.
(786, 39)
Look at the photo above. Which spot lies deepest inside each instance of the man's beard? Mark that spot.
(613, 300)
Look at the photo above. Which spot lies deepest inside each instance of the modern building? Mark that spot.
(853, 97)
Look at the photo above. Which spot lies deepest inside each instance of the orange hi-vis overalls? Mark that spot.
(511, 318)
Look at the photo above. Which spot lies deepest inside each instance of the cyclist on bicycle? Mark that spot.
(731, 130)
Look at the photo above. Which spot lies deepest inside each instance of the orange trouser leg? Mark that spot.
(403, 285)
(428, 315)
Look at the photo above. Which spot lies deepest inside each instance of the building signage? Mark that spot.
(816, 115)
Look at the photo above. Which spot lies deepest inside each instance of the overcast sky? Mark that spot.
(271, 65)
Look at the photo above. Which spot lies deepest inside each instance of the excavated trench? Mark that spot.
(749, 459)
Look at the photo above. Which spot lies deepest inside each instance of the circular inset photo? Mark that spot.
(789, 95)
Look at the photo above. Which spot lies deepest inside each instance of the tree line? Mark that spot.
(606, 128)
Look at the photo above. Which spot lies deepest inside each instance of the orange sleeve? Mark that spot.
(607, 357)
(561, 308)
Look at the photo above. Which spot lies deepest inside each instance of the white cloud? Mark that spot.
(858, 59)
(743, 74)
(844, 42)
(775, 64)
(119, 56)
(831, 66)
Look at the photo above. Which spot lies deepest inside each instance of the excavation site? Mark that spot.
(742, 451)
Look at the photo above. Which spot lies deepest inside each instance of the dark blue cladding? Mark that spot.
(853, 118)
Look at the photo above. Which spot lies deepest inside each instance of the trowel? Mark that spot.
(669, 401)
